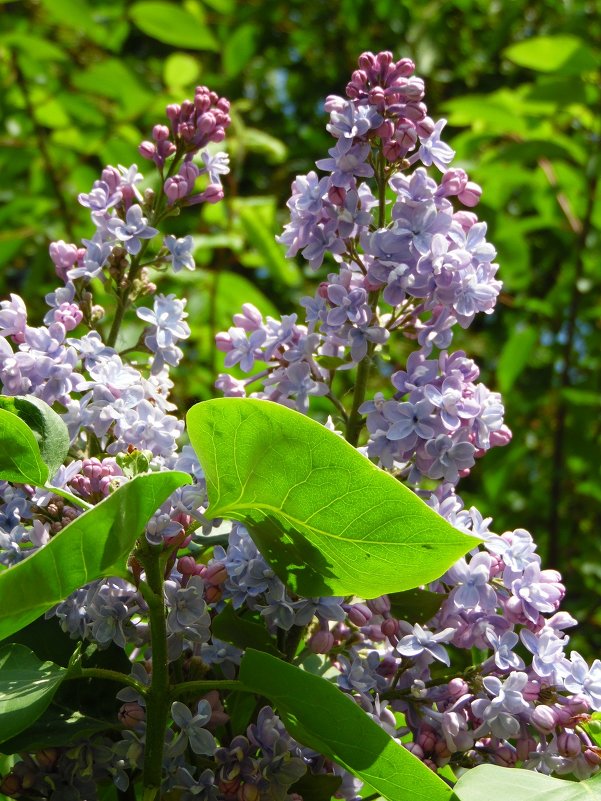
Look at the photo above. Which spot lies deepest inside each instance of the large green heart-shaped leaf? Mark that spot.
(27, 686)
(94, 545)
(20, 459)
(327, 520)
(491, 781)
(47, 427)
(320, 716)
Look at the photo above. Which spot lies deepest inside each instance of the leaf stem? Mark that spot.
(157, 695)
(108, 675)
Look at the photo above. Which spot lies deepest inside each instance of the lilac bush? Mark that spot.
(484, 675)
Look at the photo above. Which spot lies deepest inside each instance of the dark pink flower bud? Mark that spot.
(465, 219)
(379, 606)
(189, 172)
(337, 195)
(187, 566)
(321, 642)
(390, 627)
(223, 342)
(569, 744)
(160, 133)
(426, 739)
(173, 111)
(147, 150)
(215, 573)
(131, 714)
(471, 195)
(544, 718)
(415, 749)
(524, 747)
(505, 756)
(251, 318)
(176, 188)
(593, 756)
(359, 614)
(457, 687)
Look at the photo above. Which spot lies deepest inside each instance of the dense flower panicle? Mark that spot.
(414, 267)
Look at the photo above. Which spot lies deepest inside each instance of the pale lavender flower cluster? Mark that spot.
(417, 272)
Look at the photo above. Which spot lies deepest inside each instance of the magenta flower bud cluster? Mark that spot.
(192, 125)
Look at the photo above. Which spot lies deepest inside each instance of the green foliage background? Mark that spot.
(82, 83)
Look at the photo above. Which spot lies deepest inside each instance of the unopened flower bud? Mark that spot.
(569, 744)
(359, 614)
(321, 642)
(132, 714)
(471, 195)
(544, 718)
(380, 606)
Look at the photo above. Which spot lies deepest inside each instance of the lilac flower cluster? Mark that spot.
(527, 700)
(418, 273)
(413, 267)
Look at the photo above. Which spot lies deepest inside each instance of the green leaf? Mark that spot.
(181, 69)
(514, 356)
(274, 150)
(239, 49)
(232, 628)
(56, 727)
(320, 716)
(258, 225)
(20, 459)
(94, 545)
(416, 606)
(317, 787)
(112, 78)
(327, 520)
(34, 47)
(491, 781)
(27, 686)
(172, 24)
(47, 426)
(550, 53)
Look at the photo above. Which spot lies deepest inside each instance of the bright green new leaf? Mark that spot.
(180, 70)
(551, 53)
(327, 520)
(20, 459)
(27, 687)
(491, 781)
(318, 715)
(94, 545)
(239, 49)
(172, 24)
(514, 356)
(47, 426)
(258, 223)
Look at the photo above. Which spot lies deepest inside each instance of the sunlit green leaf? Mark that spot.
(47, 426)
(27, 687)
(491, 781)
(550, 53)
(94, 545)
(172, 24)
(514, 356)
(20, 459)
(318, 715)
(239, 48)
(327, 520)
(181, 69)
